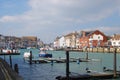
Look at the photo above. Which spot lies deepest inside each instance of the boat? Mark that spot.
(44, 54)
(9, 51)
(27, 55)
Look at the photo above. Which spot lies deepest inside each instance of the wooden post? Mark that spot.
(87, 55)
(10, 61)
(16, 68)
(109, 50)
(67, 65)
(115, 67)
(30, 57)
(4, 57)
(52, 62)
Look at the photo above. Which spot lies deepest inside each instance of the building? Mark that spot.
(115, 40)
(62, 42)
(70, 40)
(29, 41)
(2, 41)
(56, 43)
(10, 42)
(92, 39)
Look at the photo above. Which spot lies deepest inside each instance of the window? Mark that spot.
(91, 37)
(98, 37)
(91, 41)
(118, 42)
(114, 42)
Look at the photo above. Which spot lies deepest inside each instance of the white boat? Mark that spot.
(10, 51)
(43, 49)
(27, 55)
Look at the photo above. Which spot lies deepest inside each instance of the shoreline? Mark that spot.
(97, 50)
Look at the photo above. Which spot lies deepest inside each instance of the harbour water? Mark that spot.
(46, 71)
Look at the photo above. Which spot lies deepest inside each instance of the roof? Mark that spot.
(88, 33)
(70, 34)
(33, 38)
(116, 37)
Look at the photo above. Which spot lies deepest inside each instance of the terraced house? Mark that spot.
(92, 39)
(115, 40)
(70, 40)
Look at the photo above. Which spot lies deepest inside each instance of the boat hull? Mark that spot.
(45, 55)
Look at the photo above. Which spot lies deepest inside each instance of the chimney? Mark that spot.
(83, 33)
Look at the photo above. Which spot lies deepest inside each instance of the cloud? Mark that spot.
(68, 10)
(7, 19)
(108, 30)
(51, 16)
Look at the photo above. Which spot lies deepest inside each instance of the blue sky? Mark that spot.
(48, 19)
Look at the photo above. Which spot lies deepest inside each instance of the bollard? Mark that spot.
(16, 68)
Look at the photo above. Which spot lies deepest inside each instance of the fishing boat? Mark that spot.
(45, 54)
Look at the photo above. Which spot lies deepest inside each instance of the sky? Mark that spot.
(47, 19)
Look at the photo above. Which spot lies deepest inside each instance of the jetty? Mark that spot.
(10, 56)
(90, 74)
(87, 76)
(57, 60)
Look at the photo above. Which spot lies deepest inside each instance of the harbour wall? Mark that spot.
(102, 50)
(7, 73)
(98, 50)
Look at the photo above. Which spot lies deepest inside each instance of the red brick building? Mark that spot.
(92, 39)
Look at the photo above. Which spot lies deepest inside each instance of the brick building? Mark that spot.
(92, 39)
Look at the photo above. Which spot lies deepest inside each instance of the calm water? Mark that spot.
(47, 71)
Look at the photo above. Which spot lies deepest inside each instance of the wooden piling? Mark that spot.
(16, 68)
(10, 61)
(30, 57)
(115, 66)
(67, 65)
(87, 55)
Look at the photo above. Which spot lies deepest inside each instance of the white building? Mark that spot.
(56, 42)
(70, 40)
(115, 40)
(62, 42)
